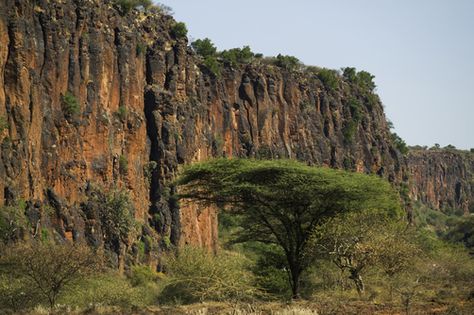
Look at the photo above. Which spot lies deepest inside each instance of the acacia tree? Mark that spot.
(281, 202)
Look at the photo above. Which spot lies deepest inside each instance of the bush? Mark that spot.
(123, 164)
(141, 275)
(356, 109)
(196, 275)
(235, 56)
(71, 106)
(204, 47)
(179, 30)
(122, 112)
(3, 124)
(399, 144)
(289, 63)
(213, 66)
(329, 78)
(125, 6)
(349, 131)
(117, 217)
(49, 268)
(111, 289)
(363, 79)
(13, 223)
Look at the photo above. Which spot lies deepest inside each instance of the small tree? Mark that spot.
(281, 202)
(349, 240)
(179, 30)
(204, 47)
(50, 268)
(289, 63)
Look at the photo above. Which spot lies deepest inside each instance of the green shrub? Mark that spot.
(125, 6)
(349, 131)
(13, 223)
(356, 109)
(399, 144)
(71, 106)
(236, 56)
(122, 112)
(111, 289)
(3, 124)
(49, 268)
(363, 79)
(179, 30)
(204, 47)
(123, 164)
(329, 78)
(117, 216)
(197, 275)
(16, 293)
(289, 63)
(213, 66)
(141, 275)
(462, 231)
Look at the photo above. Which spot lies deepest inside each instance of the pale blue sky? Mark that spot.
(420, 51)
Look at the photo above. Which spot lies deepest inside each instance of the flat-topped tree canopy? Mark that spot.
(281, 201)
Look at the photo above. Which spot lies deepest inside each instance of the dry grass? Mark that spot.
(297, 308)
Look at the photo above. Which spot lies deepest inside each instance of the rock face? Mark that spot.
(96, 99)
(443, 179)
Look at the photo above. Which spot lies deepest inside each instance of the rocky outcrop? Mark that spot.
(443, 179)
(96, 99)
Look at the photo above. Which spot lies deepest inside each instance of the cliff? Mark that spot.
(443, 179)
(95, 102)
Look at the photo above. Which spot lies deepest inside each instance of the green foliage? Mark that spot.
(71, 105)
(349, 131)
(204, 47)
(289, 63)
(353, 242)
(13, 223)
(355, 107)
(362, 79)
(125, 6)
(122, 112)
(235, 56)
(141, 275)
(213, 66)
(16, 293)
(140, 49)
(179, 30)
(123, 164)
(462, 231)
(3, 124)
(117, 216)
(399, 144)
(197, 275)
(281, 201)
(329, 77)
(44, 235)
(112, 289)
(48, 268)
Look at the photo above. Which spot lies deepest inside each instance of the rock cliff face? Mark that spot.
(95, 99)
(443, 179)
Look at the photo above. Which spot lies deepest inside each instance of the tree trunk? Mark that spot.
(357, 278)
(295, 282)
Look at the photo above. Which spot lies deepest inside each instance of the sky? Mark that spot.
(420, 51)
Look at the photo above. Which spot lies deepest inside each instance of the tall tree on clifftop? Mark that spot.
(281, 202)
